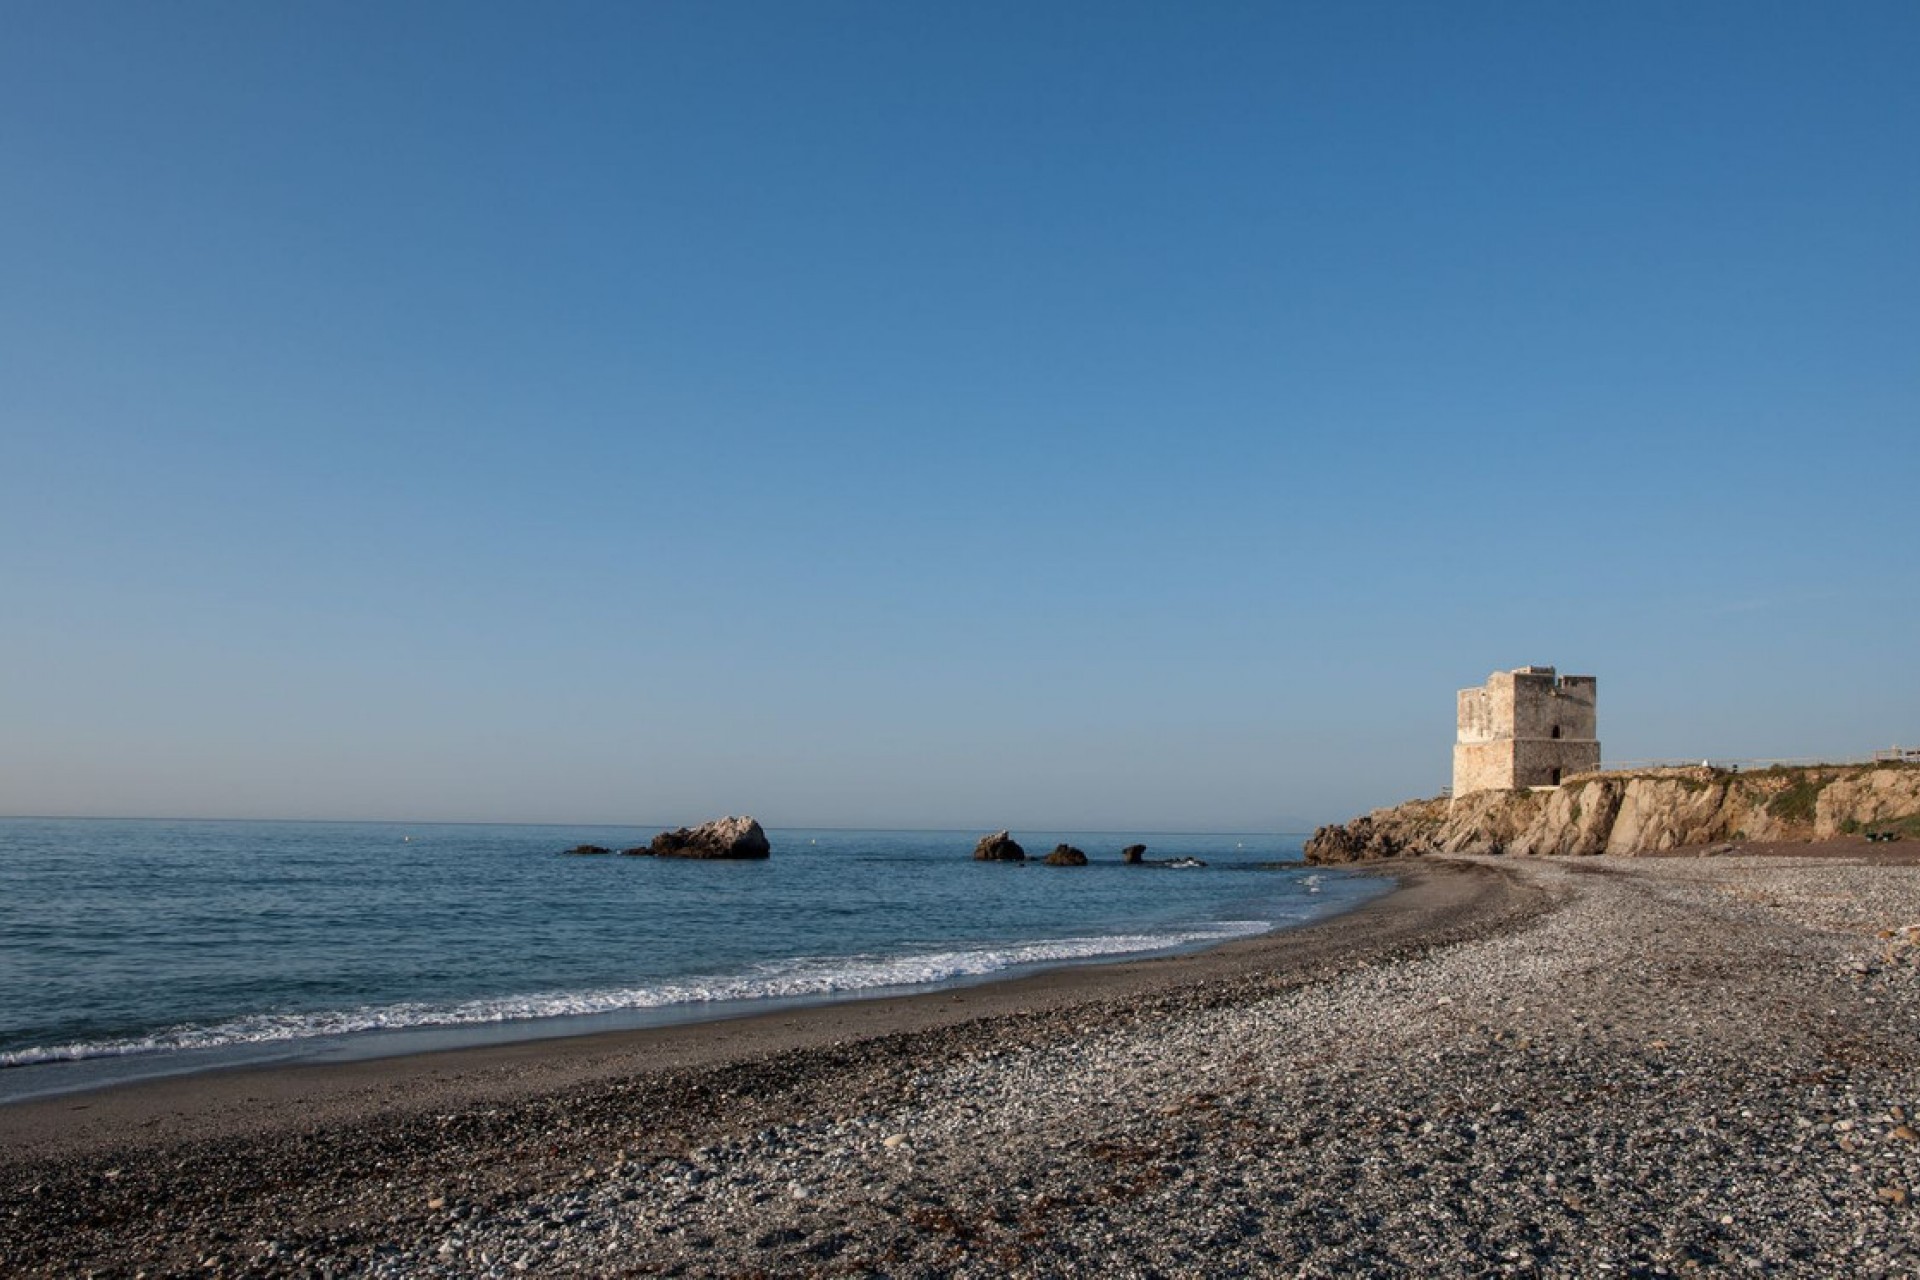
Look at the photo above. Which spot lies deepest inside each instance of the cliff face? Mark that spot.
(1638, 813)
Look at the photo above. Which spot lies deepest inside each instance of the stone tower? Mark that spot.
(1525, 728)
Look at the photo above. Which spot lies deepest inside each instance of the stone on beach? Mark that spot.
(732, 838)
(999, 847)
(1065, 855)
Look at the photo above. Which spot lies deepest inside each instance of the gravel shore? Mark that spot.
(1560, 1067)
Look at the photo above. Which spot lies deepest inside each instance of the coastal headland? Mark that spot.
(1640, 811)
(1537, 1066)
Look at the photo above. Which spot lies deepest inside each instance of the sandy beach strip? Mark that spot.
(1572, 1067)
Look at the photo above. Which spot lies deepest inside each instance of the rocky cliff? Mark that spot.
(1639, 813)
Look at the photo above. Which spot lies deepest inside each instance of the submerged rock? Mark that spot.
(735, 838)
(1065, 855)
(1133, 854)
(585, 849)
(999, 847)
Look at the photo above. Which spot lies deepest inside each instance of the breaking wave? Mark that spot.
(799, 979)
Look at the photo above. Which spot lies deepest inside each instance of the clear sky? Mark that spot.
(1107, 414)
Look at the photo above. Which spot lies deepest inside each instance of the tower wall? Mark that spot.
(1528, 727)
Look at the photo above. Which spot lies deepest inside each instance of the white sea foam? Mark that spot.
(803, 978)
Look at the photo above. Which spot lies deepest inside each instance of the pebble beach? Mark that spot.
(1596, 1066)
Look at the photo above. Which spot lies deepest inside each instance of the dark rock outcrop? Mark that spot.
(735, 838)
(1361, 840)
(999, 847)
(1065, 855)
(1133, 854)
(585, 849)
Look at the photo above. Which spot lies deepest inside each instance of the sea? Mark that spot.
(136, 949)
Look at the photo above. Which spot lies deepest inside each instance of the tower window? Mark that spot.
(1556, 731)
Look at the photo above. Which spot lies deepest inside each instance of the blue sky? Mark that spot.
(1112, 415)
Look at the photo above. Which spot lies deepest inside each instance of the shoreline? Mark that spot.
(350, 945)
(1550, 1066)
(55, 1078)
(251, 1097)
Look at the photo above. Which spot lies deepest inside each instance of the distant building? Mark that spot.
(1525, 728)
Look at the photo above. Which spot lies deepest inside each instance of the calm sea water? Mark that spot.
(131, 949)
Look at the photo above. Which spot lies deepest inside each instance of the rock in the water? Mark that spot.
(638, 851)
(1065, 855)
(999, 847)
(1356, 841)
(1133, 854)
(584, 849)
(724, 838)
